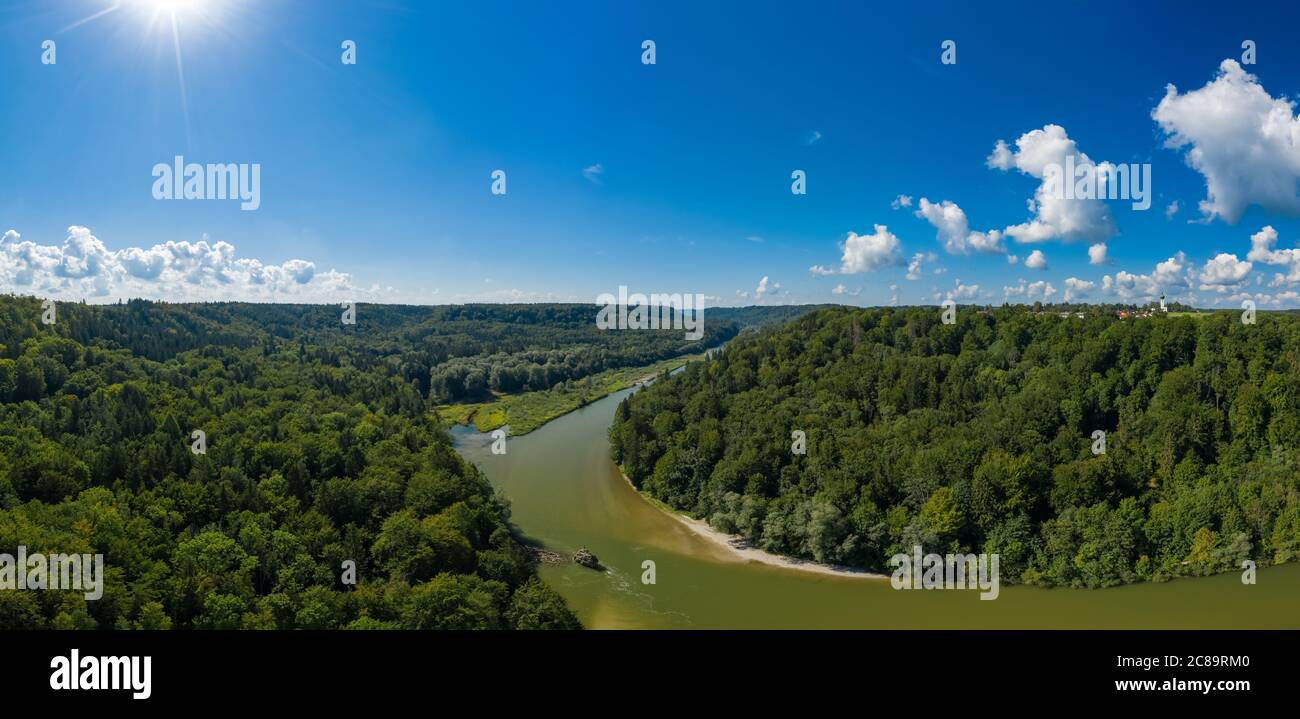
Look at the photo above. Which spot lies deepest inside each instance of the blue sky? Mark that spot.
(671, 177)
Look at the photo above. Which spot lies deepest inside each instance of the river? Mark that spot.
(566, 493)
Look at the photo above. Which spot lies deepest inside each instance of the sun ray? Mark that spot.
(156, 16)
(117, 5)
(180, 75)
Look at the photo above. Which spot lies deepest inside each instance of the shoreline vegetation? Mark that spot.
(527, 411)
(989, 436)
(742, 550)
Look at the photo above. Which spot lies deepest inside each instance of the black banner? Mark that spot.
(921, 669)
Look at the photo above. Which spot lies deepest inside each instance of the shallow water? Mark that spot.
(566, 493)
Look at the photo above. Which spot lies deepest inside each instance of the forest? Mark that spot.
(982, 436)
(321, 446)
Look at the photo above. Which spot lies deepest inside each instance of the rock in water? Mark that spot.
(586, 558)
(545, 556)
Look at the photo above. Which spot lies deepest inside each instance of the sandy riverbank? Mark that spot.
(742, 550)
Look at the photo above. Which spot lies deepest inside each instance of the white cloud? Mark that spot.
(1223, 271)
(962, 292)
(1171, 210)
(840, 289)
(84, 268)
(1245, 142)
(813, 137)
(1261, 250)
(1036, 260)
(1012, 259)
(1076, 288)
(821, 271)
(1001, 158)
(1054, 217)
(765, 287)
(594, 173)
(865, 253)
(1041, 288)
(1168, 276)
(1097, 254)
(1170, 272)
(901, 201)
(914, 268)
(954, 229)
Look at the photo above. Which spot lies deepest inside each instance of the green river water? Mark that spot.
(566, 493)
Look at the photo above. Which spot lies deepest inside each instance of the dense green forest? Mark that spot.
(978, 436)
(450, 352)
(322, 445)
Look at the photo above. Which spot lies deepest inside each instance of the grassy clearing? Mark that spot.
(527, 411)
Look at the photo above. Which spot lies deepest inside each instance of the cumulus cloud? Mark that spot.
(1262, 251)
(901, 201)
(766, 287)
(1245, 142)
(954, 230)
(1036, 260)
(1040, 290)
(1223, 271)
(1171, 210)
(1054, 217)
(865, 253)
(1168, 276)
(821, 271)
(914, 268)
(84, 268)
(962, 291)
(1097, 254)
(1077, 289)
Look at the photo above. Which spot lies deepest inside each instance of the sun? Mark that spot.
(156, 12)
(175, 5)
(202, 9)
(168, 17)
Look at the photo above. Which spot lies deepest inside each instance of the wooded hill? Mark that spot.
(978, 436)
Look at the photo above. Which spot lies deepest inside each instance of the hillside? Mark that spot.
(319, 448)
(979, 437)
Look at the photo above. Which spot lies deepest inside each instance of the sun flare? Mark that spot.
(168, 18)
